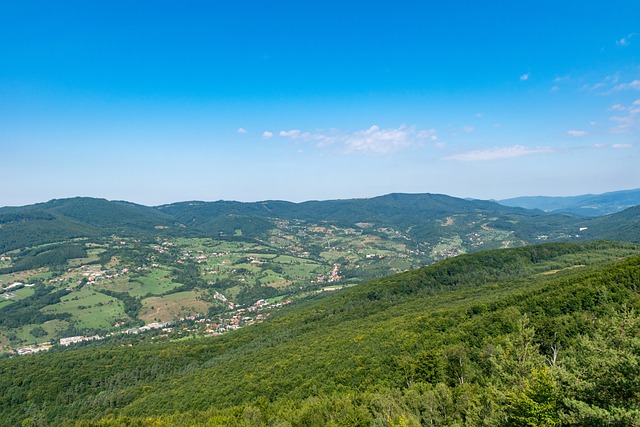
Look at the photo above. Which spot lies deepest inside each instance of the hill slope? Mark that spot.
(64, 219)
(589, 205)
(496, 337)
(424, 218)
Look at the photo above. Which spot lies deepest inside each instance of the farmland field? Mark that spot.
(124, 281)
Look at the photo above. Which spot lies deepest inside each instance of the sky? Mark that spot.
(156, 102)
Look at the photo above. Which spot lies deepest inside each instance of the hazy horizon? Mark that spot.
(160, 103)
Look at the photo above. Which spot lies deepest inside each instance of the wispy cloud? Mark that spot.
(627, 118)
(621, 146)
(524, 77)
(634, 84)
(294, 133)
(267, 135)
(626, 41)
(606, 86)
(241, 130)
(373, 140)
(577, 133)
(498, 153)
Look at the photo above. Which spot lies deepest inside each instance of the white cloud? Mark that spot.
(379, 141)
(241, 130)
(498, 153)
(524, 77)
(627, 119)
(621, 146)
(468, 129)
(430, 135)
(294, 133)
(626, 41)
(635, 84)
(577, 133)
(373, 140)
(266, 134)
(623, 123)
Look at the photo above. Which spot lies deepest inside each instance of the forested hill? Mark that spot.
(539, 335)
(64, 219)
(589, 205)
(391, 208)
(422, 217)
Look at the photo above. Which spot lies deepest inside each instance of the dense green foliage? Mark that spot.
(29, 227)
(27, 311)
(421, 215)
(46, 256)
(542, 335)
(250, 294)
(131, 305)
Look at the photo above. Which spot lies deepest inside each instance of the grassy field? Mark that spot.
(89, 308)
(291, 260)
(155, 282)
(22, 276)
(22, 293)
(53, 329)
(167, 307)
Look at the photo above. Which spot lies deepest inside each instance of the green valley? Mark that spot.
(539, 335)
(90, 267)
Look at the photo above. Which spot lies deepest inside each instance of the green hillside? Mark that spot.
(64, 219)
(539, 335)
(622, 226)
(589, 205)
(30, 227)
(431, 219)
(420, 215)
(86, 266)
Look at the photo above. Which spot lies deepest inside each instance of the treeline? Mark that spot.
(250, 294)
(27, 311)
(594, 383)
(132, 305)
(52, 256)
(518, 337)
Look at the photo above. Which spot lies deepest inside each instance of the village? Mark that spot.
(137, 290)
(191, 325)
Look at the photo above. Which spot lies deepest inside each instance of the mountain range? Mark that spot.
(424, 217)
(588, 205)
(497, 315)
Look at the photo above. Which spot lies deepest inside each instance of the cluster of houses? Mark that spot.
(33, 349)
(72, 340)
(447, 253)
(189, 324)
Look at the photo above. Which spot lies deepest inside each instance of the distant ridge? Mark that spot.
(590, 205)
(424, 217)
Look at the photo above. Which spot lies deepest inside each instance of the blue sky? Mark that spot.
(156, 102)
